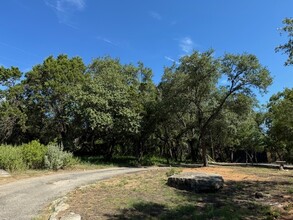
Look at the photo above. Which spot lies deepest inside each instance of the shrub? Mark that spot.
(147, 161)
(152, 160)
(33, 154)
(173, 171)
(56, 158)
(11, 158)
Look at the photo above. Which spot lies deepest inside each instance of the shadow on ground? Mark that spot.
(237, 200)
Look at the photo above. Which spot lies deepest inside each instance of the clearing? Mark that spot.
(249, 193)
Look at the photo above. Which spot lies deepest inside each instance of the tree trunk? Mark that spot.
(139, 151)
(193, 155)
(213, 152)
(204, 155)
(63, 140)
(203, 147)
(232, 156)
(110, 152)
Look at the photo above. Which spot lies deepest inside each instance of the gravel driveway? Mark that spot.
(23, 199)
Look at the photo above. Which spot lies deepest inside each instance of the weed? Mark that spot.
(173, 171)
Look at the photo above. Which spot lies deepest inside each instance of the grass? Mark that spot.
(146, 196)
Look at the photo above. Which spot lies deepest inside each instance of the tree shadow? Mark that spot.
(152, 210)
(237, 200)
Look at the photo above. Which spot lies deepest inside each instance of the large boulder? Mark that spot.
(197, 182)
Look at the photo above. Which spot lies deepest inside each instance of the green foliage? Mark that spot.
(56, 158)
(173, 171)
(280, 124)
(50, 90)
(193, 100)
(110, 109)
(12, 118)
(287, 48)
(34, 154)
(12, 121)
(11, 158)
(112, 104)
(9, 77)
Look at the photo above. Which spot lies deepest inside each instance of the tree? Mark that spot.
(50, 99)
(195, 86)
(280, 124)
(12, 116)
(111, 103)
(225, 132)
(287, 48)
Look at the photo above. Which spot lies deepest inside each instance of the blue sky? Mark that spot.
(156, 32)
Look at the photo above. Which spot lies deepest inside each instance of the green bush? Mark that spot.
(152, 160)
(11, 158)
(33, 154)
(173, 171)
(56, 158)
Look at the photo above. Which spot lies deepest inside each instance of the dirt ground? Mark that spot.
(228, 174)
(278, 198)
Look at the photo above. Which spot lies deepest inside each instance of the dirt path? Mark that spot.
(23, 199)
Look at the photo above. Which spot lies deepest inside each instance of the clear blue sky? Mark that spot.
(153, 31)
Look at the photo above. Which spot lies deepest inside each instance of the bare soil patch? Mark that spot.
(229, 174)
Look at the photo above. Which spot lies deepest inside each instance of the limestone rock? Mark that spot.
(197, 182)
(3, 173)
(71, 216)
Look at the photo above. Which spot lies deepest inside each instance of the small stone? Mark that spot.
(259, 195)
(4, 173)
(286, 196)
(197, 182)
(61, 207)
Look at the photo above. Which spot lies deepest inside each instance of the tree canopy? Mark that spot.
(204, 108)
